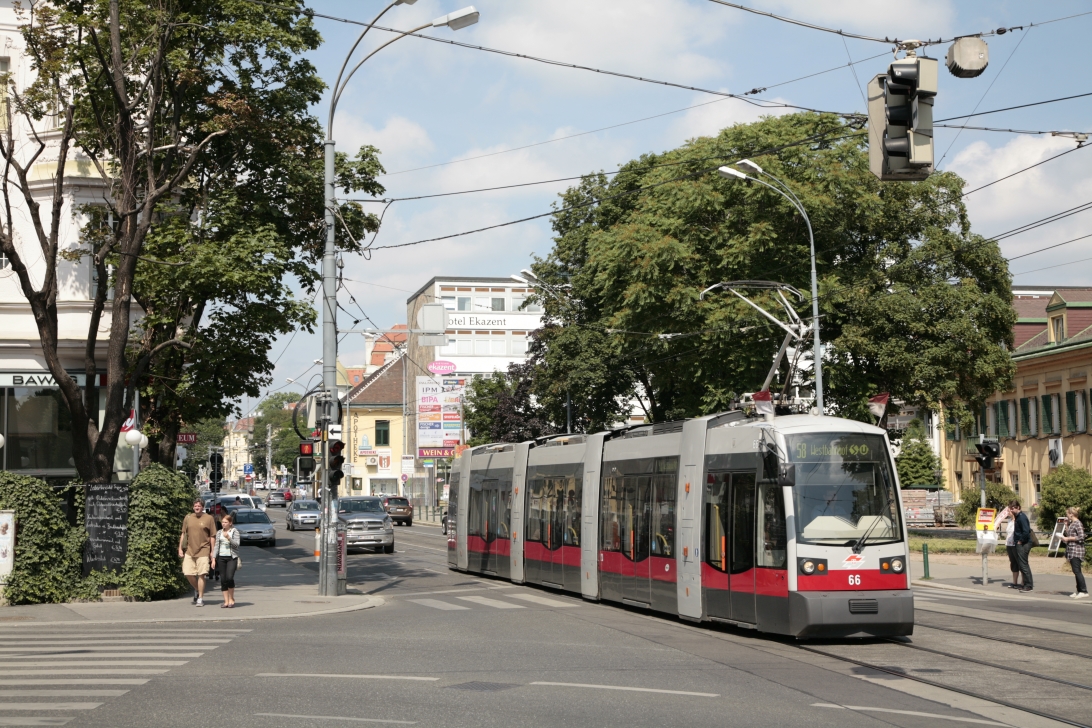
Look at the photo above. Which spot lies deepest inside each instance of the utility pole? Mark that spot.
(328, 552)
(268, 456)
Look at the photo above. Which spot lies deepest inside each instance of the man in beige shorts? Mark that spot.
(195, 548)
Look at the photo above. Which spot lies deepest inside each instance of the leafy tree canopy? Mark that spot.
(1066, 486)
(912, 302)
(500, 408)
(276, 411)
(917, 463)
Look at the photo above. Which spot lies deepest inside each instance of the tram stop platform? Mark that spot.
(1052, 576)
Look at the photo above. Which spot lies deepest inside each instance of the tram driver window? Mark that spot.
(716, 520)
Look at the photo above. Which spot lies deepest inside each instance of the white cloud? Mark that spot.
(710, 118)
(878, 18)
(1045, 190)
(400, 141)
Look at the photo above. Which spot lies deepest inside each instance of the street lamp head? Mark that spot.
(517, 279)
(289, 380)
(528, 274)
(133, 437)
(749, 166)
(458, 19)
(728, 173)
(404, 2)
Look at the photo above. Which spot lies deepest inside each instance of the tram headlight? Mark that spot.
(808, 567)
(812, 567)
(897, 565)
(894, 565)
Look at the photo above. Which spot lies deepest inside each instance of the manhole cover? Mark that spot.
(484, 687)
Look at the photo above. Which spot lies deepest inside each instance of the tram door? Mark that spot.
(730, 546)
(638, 509)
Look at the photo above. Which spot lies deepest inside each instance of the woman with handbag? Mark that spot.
(227, 559)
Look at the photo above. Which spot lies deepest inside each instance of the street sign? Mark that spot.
(404, 477)
(984, 520)
(248, 468)
(186, 438)
(428, 463)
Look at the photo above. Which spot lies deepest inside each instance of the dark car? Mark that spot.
(399, 509)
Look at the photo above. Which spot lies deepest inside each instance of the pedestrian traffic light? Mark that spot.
(900, 119)
(988, 450)
(337, 460)
(305, 463)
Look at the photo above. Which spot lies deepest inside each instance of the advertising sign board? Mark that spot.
(106, 518)
(439, 415)
(984, 520)
(7, 544)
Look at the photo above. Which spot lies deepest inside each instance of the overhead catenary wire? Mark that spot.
(875, 39)
(1011, 108)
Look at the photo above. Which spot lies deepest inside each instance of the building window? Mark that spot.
(497, 346)
(1014, 481)
(382, 433)
(1051, 424)
(449, 302)
(5, 66)
(465, 346)
(451, 347)
(1057, 329)
(481, 347)
(1028, 409)
(4, 262)
(464, 303)
(1075, 412)
(519, 346)
(1037, 481)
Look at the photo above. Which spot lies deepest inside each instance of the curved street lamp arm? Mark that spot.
(336, 90)
(337, 94)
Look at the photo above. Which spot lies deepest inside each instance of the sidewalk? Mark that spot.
(269, 587)
(963, 572)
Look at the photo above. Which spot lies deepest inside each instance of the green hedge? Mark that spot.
(998, 496)
(158, 501)
(48, 551)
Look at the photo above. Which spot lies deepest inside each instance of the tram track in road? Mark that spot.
(1014, 643)
(904, 674)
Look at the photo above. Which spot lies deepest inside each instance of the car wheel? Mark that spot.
(388, 549)
(289, 525)
(272, 542)
(409, 522)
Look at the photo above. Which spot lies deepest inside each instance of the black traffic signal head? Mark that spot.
(900, 111)
(305, 463)
(988, 451)
(337, 460)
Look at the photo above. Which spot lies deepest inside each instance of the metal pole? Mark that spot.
(982, 498)
(815, 321)
(568, 413)
(136, 425)
(268, 457)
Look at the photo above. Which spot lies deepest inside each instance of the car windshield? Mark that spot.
(235, 500)
(397, 502)
(305, 506)
(844, 489)
(371, 505)
(251, 517)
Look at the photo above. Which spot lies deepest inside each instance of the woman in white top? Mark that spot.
(227, 559)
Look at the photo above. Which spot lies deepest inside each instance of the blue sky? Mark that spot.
(423, 104)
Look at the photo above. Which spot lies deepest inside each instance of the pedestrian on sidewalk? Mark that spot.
(195, 549)
(1022, 539)
(227, 559)
(1010, 544)
(1074, 549)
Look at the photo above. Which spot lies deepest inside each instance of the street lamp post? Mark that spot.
(455, 21)
(788, 194)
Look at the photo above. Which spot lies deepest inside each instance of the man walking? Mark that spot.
(1022, 538)
(195, 548)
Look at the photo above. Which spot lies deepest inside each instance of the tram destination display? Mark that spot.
(107, 523)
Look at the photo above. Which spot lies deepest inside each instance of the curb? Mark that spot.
(981, 592)
(368, 603)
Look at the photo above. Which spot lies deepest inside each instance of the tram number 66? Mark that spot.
(854, 579)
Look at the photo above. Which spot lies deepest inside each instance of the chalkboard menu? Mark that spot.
(107, 523)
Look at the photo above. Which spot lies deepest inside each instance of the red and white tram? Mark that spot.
(791, 525)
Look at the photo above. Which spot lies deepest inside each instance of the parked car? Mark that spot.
(255, 527)
(279, 497)
(399, 508)
(303, 514)
(367, 524)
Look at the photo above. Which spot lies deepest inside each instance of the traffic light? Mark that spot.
(216, 471)
(900, 119)
(988, 450)
(305, 463)
(337, 460)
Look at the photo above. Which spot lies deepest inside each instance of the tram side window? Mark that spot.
(663, 515)
(772, 536)
(743, 522)
(504, 527)
(534, 512)
(474, 516)
(716, 520)
(613, 516)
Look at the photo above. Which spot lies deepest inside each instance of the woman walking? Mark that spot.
(1074, 549)
(227, 559)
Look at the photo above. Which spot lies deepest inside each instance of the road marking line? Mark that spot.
(356, 677)
(49, 706)
(935, 716)
(436, 604)
(21, 630)
(104, 648)
(34, 721)
(60, 655)
(541, 600)
(335, 717)
(495, 603)
(104, 681)
(192, 643)
(636, 690)
(425, 548)
(62, 693)
(63, 671)
(108, 663)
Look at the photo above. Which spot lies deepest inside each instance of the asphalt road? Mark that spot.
(449, 649)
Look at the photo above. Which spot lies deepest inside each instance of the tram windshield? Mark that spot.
(844, 490)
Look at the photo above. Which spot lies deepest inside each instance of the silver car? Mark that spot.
(367, 524)
(303, 514)
(254, 527)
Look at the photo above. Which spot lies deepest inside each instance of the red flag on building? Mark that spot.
(878, 405)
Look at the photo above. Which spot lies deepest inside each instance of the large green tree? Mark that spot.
(195, 116)
(917, 464)
(275, 416)
(912, 302)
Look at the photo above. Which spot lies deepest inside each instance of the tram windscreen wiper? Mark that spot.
(859, 546)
